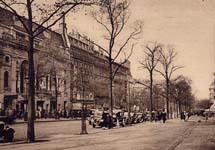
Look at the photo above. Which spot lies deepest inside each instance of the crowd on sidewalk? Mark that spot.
(42, 114)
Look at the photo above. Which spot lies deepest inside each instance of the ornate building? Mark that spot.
(68, 69)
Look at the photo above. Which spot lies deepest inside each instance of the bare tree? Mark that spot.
(167, 61)
(113, 16)
(149, 63)
(49, 15)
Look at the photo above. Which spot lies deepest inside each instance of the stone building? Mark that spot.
(212, 93)
(69, 68)
(212, 90)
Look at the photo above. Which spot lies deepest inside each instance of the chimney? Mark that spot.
(63, 32)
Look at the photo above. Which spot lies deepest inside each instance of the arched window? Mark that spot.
(6, 79)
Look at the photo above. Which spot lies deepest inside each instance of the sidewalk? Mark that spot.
(20, 121)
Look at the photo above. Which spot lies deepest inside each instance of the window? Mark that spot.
(7, 59)
(64, 85)
(6, 79)
(36, 43)
(20, 36)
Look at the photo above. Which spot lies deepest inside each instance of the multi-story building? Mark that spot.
(68, 69)
(212, 89)
(212, 93)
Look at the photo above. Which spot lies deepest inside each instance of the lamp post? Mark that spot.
(129, 101)
(177, 102)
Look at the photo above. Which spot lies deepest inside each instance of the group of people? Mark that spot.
(107, 121)
(159, 115)
(119, 120)
(57, 114)
(185, 115)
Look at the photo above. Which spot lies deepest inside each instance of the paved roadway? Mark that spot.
(174, 135)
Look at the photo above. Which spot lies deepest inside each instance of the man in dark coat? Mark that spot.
(164, 116)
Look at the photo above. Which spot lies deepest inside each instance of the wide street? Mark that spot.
(173, 135)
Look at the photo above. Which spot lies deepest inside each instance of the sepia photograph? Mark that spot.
(107, 74)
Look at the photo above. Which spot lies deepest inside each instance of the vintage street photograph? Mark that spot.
(107, 74)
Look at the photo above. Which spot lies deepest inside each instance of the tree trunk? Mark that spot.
(71, 80)
(129, 100)
(111, 87)
(167, 97)
(151, 94)
(83, 117)
(179, 105)
(31, 89)
(56, 92)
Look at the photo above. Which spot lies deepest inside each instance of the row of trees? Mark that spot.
(181, 97)
(114, 17)
(161, 60)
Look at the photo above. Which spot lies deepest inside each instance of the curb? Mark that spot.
(39, 121)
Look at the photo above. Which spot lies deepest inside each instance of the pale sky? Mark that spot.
(189, 25)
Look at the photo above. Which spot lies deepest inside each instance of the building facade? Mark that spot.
(69, 69)
(212, 93)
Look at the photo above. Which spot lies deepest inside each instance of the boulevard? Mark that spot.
(173, 135)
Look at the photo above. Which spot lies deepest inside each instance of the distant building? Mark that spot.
(212, 92)
(63, 62)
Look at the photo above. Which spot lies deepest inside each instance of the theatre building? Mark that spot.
(65, 64)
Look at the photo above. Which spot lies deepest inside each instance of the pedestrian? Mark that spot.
(159, 116)
(183, 115)
(105, 120)
(164, 116)
(189, 114)
(206, 117)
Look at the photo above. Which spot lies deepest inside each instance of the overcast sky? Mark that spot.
(189, 25)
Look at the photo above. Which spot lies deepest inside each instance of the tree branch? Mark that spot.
(21, 19)
(120, 65)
